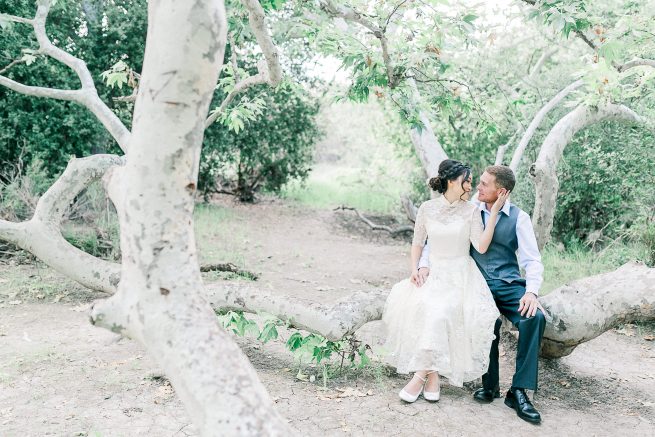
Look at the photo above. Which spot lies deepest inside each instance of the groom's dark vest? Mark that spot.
(499, 261)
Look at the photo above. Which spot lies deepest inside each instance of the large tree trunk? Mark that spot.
(160, 299)
(544, 170)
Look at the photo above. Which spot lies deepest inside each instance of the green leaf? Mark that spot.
(295, 341)
(269, 332)
(28, 59)
(611, 51)
(469, 18)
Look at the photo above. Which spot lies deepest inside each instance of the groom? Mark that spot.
(515, 297)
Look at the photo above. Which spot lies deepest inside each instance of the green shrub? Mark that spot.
(274, 148)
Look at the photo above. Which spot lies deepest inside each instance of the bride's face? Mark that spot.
(460, 187)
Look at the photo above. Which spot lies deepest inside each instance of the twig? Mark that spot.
(374, 226)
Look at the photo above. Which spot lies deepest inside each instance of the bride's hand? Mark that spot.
(502, 198)
(415, 278)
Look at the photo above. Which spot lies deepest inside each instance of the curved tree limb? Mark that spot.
(637, 62)
(333, 322)
(37, 91)
(580, 311)
(536, 121)
(269, 72)
(257, 20)
(350, 14)
(87, 95)
(544, 170)
(41, 235)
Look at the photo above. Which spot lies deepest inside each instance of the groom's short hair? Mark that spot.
(504, 176)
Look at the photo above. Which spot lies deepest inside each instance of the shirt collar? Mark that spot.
(482, 207)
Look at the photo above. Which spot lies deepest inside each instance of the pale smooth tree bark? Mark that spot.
(536, 122)
(426, 145)
(584, 309)
(160, 300)
(41, 235)
(544, 170)
(580, 310)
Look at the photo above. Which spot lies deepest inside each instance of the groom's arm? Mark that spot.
(530, 261)
(528, 254)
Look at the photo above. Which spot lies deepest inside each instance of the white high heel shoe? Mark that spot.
(432, 396)
(407, 397)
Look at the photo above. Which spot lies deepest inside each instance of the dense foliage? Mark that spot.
(276, 146)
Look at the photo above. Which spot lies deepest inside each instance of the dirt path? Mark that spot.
(61, 376)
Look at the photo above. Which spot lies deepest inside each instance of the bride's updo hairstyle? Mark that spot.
(449, 170)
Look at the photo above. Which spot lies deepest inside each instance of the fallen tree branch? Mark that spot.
(584, 309)
(230, 268)
(580, 311)
(376, 227)
(332, 321)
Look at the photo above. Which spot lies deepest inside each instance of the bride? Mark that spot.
(444, 325)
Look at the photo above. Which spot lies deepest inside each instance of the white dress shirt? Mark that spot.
(529, 257)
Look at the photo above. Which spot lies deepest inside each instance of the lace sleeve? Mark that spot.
(420, 232)
(476, 229)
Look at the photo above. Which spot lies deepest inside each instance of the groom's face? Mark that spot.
(488, 190)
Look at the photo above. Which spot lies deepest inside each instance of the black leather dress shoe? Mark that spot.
(486, 395)
(517, 398)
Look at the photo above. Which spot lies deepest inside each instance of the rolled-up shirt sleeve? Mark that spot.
(528, 254)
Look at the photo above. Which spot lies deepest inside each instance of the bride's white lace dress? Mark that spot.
(447, 324)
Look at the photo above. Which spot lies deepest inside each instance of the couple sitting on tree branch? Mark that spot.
(444, 319)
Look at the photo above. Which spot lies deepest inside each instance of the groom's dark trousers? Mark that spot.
(507, 296)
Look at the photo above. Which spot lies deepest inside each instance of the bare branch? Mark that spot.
(257, 20)
(11, 64)
(544, 170)
(350, 14)
(500, 154)
(269, 72)
(15, 19)
(536, 121)
(392, 13)
(540, 63)
(37, 91)
(87, 95)
(79, 173)
(637, 62)
(374, 226)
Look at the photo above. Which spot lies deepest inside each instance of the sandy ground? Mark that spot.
(61, 376)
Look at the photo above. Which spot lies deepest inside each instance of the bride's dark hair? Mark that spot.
(449, 170)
